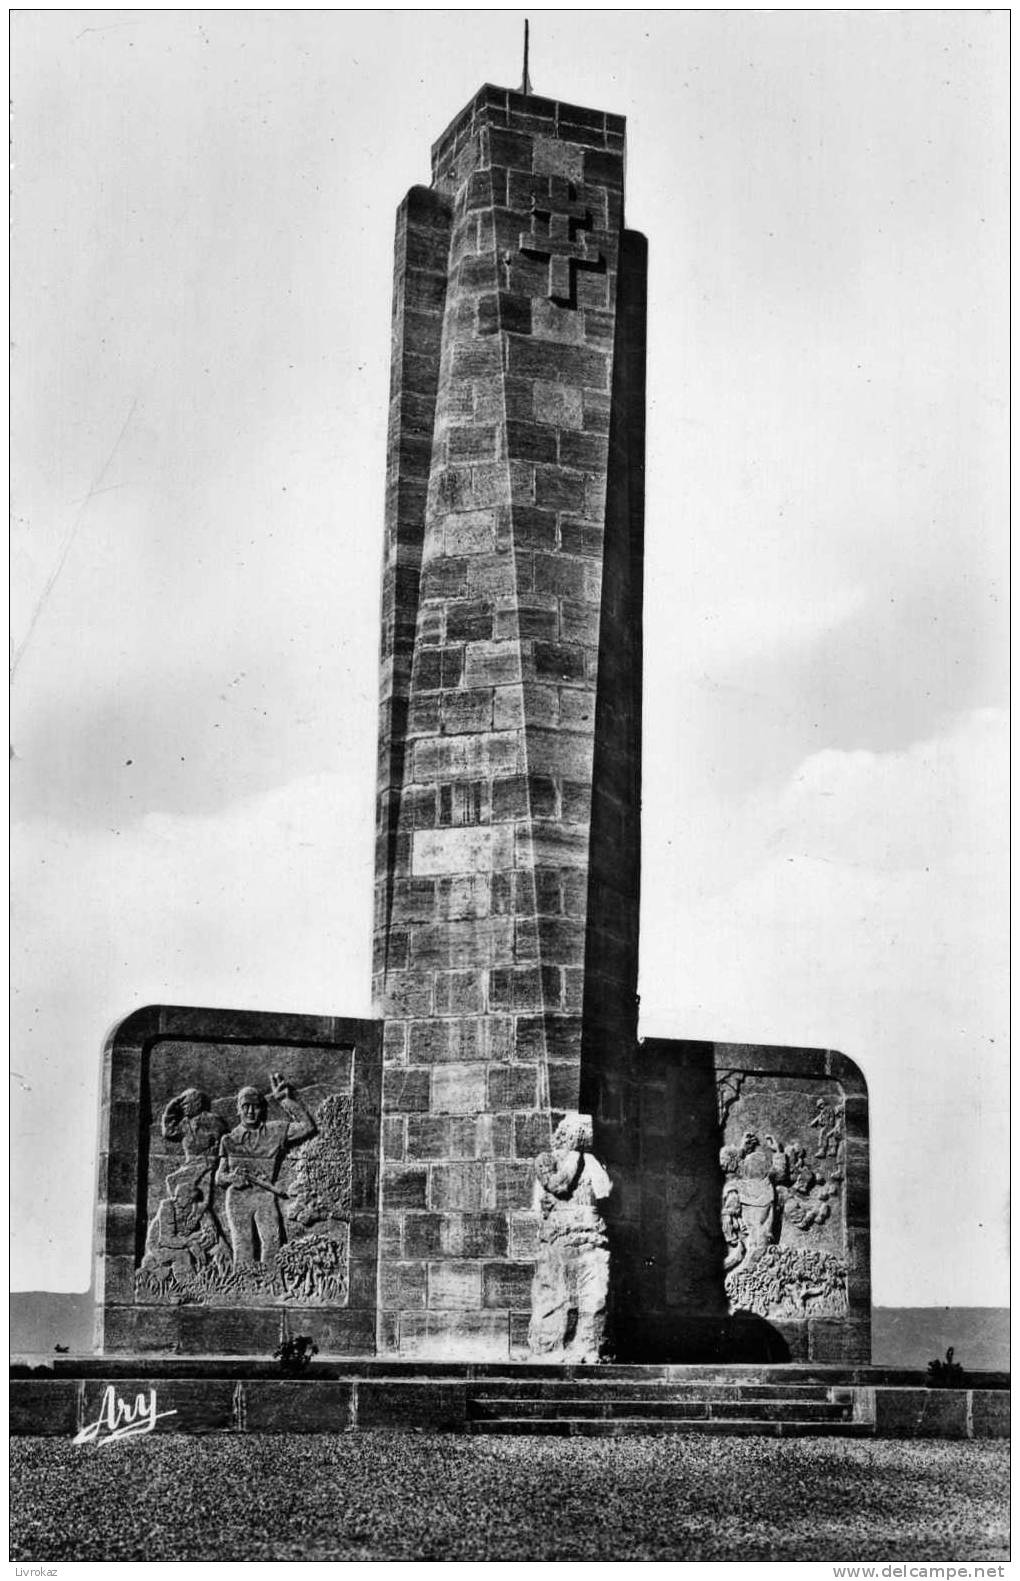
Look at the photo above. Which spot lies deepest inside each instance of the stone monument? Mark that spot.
(509, 782)
(495, 1167)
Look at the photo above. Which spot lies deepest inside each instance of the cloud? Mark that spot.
(861, 905)
(939, 803)
(266, 905)
(755, 627)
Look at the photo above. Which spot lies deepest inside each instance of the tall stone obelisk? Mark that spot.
(506, 912)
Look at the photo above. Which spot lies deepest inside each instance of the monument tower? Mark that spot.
(371, 1183)
(506, 906)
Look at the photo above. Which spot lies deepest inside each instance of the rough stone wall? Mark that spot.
(523, 589)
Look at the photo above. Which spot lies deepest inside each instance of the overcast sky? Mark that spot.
(203, 227)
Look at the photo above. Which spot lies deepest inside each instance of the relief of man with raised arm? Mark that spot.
(250, 1158)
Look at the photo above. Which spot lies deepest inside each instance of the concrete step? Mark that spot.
(648, 1389)
(596, 1407)
(602, 1427)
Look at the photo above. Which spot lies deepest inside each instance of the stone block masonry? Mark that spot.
(509, 761)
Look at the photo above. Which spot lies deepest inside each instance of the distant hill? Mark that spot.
(900, 1336)
(42, 1319)
(914, 1336)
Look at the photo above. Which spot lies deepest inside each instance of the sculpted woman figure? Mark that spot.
(571, 1284)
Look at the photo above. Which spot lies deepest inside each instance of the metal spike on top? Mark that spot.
(525, 80)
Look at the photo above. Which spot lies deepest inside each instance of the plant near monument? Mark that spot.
(946, 1374)
(295, 1353)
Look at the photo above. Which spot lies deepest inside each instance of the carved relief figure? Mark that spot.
(808, 1199)
(187, 1119)
(828, 1122)
(184, 1235)
(732, 1220)
(250, 1157)
(775, 1201)
(749, 1196)
(289, 1237)
(571, 1284)
(183, 1232)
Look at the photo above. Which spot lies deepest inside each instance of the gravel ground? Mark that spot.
(381, 1496)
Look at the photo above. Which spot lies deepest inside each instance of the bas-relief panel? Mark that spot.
(249, 1186)
(783, 1188)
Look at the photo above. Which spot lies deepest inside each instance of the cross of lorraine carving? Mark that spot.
(561, 238)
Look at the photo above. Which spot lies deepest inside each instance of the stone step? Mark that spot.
(493, 1408)
(783, 1410)
(720, 1375)
(602, 1427)
(57, 1407)
(649, 1388)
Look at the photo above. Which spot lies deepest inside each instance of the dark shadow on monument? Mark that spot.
(656, 1116)
(739, 1218)
(669, 1249)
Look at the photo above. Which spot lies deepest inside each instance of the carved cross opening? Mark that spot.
(561, 238)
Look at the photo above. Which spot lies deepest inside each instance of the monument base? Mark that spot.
(738, 1225)
(210, 1395)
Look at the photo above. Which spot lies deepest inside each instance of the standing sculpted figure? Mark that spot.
(826, 1122)
(571, 1284)
(250, 1157)
(751, 1175)
(187, 1119)
(183, 1235)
